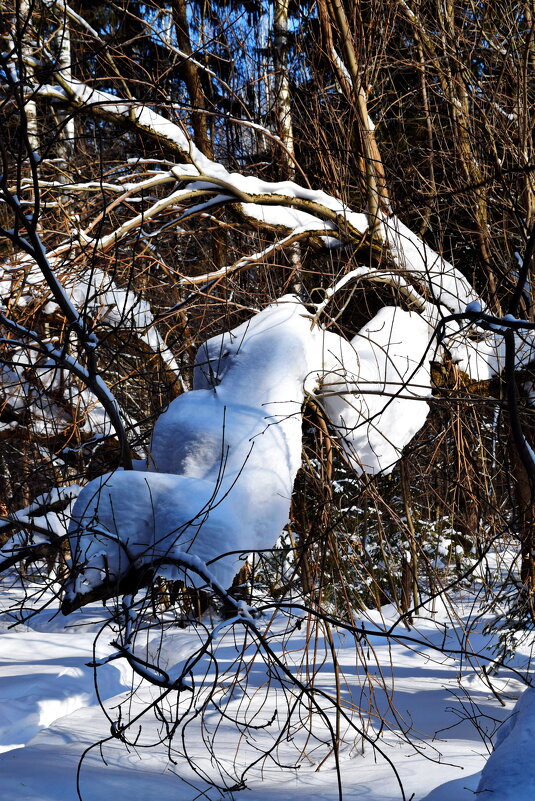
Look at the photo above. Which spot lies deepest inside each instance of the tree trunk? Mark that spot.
(27, 8)
(192, 79)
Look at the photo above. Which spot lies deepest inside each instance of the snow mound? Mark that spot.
(224, 456)
(509, 774)
(223, 464)
(137, 522)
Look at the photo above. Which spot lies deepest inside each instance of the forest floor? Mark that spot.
(440, 713)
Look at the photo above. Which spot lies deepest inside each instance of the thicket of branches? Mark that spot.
(123, 251)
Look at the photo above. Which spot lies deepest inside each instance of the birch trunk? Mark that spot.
(66, 132)
(27, 7)
(282, 83)
(283, 103)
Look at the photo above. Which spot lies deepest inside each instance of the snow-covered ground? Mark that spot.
(441, 705)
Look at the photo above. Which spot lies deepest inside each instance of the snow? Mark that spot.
(79, 404)
(509, 773)
(49, 714)
(481, 354)
(107, 303)
(40, 514)
(98, 295)
(286, 217)
(222, 464)
(224, 457)
(131, 520)
(474, 306)
(446, 284)
(376, 395)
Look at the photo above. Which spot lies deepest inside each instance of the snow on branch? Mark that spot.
(376, 397)
(283, 204)
(88, 288)
(28, 340)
